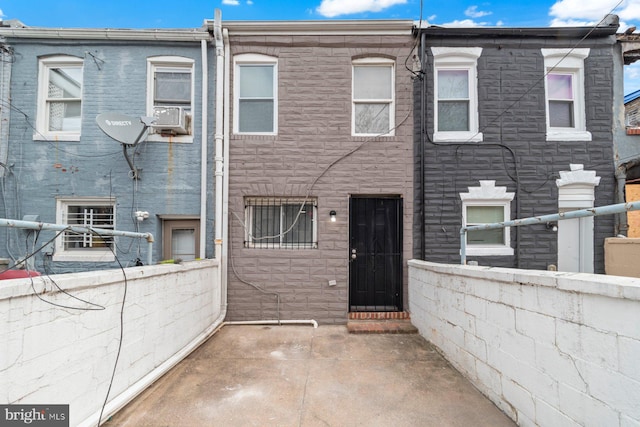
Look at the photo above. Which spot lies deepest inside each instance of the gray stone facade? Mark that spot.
(514, 151)
(314, 140)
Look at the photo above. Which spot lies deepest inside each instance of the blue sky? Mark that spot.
(191, 13)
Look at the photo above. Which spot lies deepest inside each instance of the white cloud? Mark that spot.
(465, 23)
(631, 78)
(473, 12)
(590, 12)
(1, 14)
(249, 2)
(333, 8)
(231, 2)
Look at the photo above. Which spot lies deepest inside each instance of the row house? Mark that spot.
(64, 93)
(501, 113)
(321, 175)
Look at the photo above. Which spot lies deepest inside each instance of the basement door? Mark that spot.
(375, 254)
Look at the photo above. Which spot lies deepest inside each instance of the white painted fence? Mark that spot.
(54, 355)
(548, 348)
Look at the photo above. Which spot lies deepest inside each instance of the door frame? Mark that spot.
(393, 300)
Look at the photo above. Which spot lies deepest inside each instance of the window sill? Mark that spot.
(84, 257)
(489, 251)
(52, 137)
(568, 135)
(457, 136)
(183, 139)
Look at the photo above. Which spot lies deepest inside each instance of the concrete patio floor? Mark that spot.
(300, 376)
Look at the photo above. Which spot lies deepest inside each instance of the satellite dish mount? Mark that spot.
(128, 131)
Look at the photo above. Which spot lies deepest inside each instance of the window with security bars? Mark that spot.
(89, 213)
(286, 223)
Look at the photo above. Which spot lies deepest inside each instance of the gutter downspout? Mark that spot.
(423, 130)
(221, 158)
(204, 151)
(225, 107)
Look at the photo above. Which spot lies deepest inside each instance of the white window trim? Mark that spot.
(487, 194)
(461, 58)
(374, 61)
(255, 201)
(568, 61)
(253, 59)
(42, 133)
(60, 254)
(169, 62)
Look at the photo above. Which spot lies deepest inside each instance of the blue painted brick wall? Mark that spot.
(96, 166)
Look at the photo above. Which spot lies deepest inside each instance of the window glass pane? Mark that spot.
(266, 222)
(173, 87)
(561, 114)
(65, 116)
(453, 116)
(560, 86)
(256, 81)
(484, 214)
(372, 82)
(255, 116)
(183, 244)
(453, 84)
(372, 118)
(302, 231)
(65, 82)
(486, 237)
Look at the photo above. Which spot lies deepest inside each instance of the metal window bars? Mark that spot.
(281, 223)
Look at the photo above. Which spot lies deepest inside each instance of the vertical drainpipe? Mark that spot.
(203, 151)
(220, 157)
(225, 192)
(423, 130)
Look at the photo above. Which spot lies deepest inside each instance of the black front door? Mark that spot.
(375, 266)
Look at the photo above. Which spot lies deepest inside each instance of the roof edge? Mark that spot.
(105, 34)
(565, 32)
(319, 27)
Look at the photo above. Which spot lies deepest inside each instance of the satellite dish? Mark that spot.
(122, 128)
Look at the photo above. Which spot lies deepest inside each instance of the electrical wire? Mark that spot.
(253, 285)
(121, 338)
(93, 307)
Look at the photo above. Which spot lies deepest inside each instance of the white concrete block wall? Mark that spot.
(549, 348)
(54, 355)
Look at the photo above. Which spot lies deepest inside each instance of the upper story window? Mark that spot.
(59, 111)
(485, 205)
(170, 96)
(91, 213)
(565, 94)
(256, 94)
(456, 94)
(373, 97)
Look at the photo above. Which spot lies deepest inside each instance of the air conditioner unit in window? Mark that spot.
(171, 120)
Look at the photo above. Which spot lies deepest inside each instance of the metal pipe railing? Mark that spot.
(4, 222)
(581, 213)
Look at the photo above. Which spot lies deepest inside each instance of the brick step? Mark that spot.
(368, 315)
(380, 323)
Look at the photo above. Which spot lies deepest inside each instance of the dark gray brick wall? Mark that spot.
(514, 150)
(314, 131)
(95, 166)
